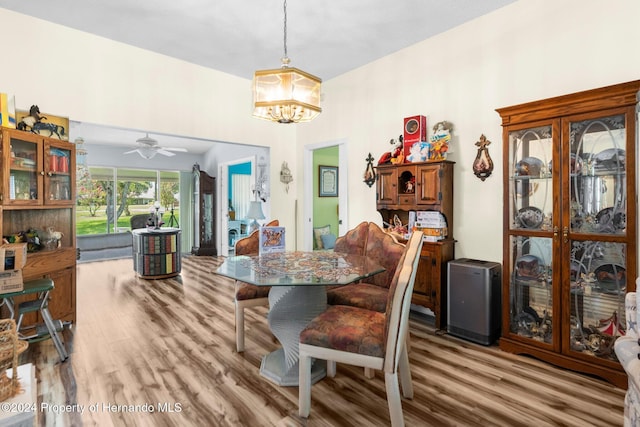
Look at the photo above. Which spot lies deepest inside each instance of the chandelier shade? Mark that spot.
(286, 95)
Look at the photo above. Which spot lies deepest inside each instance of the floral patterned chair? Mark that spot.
(627, 350)
(246, 294)
(371, 293)
(367, 338)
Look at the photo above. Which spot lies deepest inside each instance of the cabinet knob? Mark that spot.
(49, 174)
(42, 173)
(555, 232)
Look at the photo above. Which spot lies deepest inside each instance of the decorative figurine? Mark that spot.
(394, 156)
(483, 165)
(34, 122)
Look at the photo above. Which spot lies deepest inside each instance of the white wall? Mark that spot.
(523, 52)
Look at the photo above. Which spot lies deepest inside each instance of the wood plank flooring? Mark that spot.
(168, 346)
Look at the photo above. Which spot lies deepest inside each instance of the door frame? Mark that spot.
(223, 200)
(307, 216)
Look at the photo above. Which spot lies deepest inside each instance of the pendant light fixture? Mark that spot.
(286, 95)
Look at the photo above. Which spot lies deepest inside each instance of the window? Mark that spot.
(108, 197)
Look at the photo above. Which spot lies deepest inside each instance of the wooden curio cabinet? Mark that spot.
(426, 186)
(204, 226)
(570, 227)
(38, 193)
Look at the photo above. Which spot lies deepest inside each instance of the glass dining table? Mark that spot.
(298, 294)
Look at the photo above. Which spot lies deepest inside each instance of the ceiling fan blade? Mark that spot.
(165, 152)
(184, 150)
(131, 151)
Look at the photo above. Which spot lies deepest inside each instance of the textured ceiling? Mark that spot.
(324, 37)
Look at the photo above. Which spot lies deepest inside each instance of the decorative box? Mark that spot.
(415, 130)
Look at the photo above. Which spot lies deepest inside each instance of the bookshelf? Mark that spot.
(156, 252)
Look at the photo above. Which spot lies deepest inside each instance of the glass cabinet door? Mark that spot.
(532, 293)
(207, 220)
(24, 184)
(59, 166)
(597, 234)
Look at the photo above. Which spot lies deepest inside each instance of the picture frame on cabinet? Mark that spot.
(327, 181)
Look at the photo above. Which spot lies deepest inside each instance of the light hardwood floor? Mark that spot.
(171, 343)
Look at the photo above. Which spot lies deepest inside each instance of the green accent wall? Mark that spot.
(325, 209)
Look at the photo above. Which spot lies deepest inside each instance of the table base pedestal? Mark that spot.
(273, 367)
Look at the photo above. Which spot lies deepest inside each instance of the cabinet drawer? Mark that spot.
(41, 263)
(409, 199)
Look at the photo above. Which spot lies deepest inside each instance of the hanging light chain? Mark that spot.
(285, 58)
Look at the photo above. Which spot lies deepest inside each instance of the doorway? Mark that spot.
(309, 188)
(236, 178)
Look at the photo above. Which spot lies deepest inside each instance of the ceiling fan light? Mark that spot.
(147, 152)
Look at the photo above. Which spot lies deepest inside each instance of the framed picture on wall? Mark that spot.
(328, 181)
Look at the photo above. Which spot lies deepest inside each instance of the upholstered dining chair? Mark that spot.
(247, 295)
(366, 338)
(371, 293)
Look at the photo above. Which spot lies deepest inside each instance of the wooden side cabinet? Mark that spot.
(422, 187)
(430, 288)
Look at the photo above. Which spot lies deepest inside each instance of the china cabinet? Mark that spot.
(37, 192)
(204, 239)
(570, 227)
(424, 186)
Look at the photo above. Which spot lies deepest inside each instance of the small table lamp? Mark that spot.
(255, 212)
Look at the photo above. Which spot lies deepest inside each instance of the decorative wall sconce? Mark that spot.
(369, 172)
(483, 165)
(285, 176)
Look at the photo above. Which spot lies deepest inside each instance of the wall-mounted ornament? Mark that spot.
(285, 176)
(369, 172)
(483, 165)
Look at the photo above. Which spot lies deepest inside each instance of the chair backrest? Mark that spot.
(399, 301)
(250, 245)
(354, 241)
(138, 221)
(386, 251)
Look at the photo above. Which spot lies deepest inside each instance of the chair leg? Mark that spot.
(405, 374)
(393, 398)
(239, 328)
(369, 373)
(331, 368)
(304, 387)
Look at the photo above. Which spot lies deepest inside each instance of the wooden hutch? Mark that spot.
(38, 192)
(424, 186)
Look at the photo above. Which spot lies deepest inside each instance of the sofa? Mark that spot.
(627, 350)
(371, 293)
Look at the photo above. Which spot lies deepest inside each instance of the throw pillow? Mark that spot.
(328, 240)
(318, 232)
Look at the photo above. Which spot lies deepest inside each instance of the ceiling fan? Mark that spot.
(148, 148)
